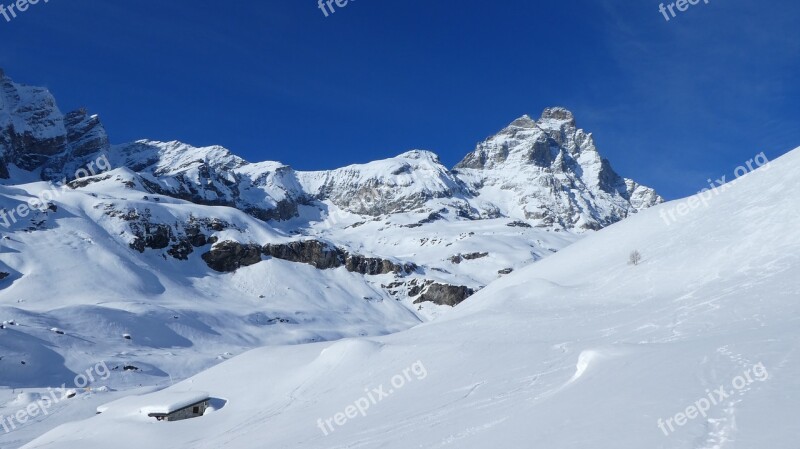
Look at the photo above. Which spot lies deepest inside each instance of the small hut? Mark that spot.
(176, 406)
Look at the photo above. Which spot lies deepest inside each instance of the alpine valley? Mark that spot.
(162, 260)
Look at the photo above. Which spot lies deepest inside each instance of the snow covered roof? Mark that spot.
(169, 402)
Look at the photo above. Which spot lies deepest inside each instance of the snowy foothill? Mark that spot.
(580, 349)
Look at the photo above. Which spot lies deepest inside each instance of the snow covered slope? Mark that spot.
(578, 350)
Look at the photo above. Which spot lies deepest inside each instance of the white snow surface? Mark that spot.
(578, 350)
(72, 269)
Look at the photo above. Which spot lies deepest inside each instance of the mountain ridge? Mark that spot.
(37, 137)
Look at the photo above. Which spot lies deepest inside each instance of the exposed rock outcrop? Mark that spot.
(312, 252)
(181, 238)
(458, 258)
(445, 295)
(229, 256)
(375, 266)
(326, 256)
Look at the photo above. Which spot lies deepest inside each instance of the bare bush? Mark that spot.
(635, 258)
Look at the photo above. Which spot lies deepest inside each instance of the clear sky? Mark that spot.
(671, 103)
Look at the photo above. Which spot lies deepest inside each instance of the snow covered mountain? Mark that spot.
(406, 183)
(694, 347)
(546, 175)
(547, 171)
(161, 259)
(550, 172)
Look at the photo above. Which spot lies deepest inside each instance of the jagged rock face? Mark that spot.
(87, 141)
(429, 291)
(401, 184)
(458, 258)
(85, 133)
(34, 134)
(155, 237)
(229, 256)
(181, 238)
(374, 266)
(312, 252)
(641, 197)
(326, 256)
(550, 172)
(31, 126)
(445, 295)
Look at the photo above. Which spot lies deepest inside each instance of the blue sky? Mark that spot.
(670, 103)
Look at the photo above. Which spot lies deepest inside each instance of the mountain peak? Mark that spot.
(558, 113)
(420, 155)
(551, 116)
(523, 122)
(551, 172)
